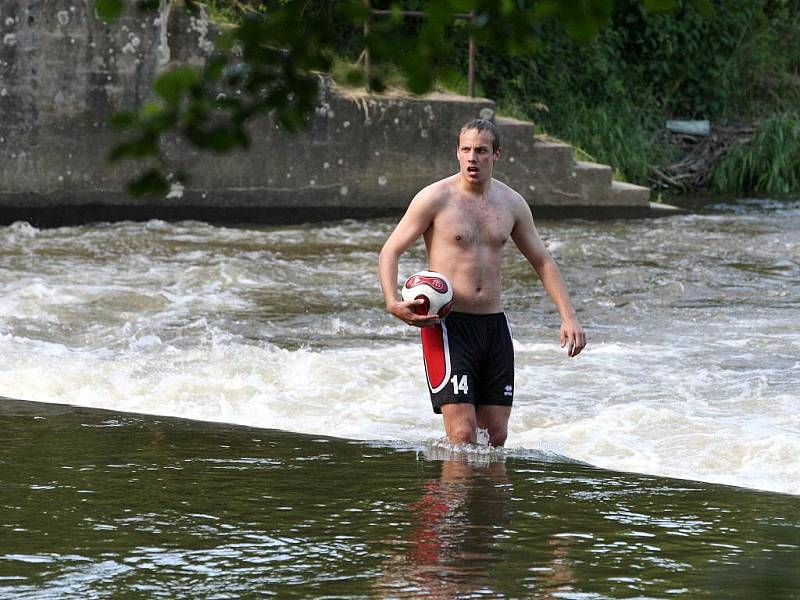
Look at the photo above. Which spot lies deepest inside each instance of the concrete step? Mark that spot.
(660, 208)
(589, 173)
(555, 159)
(514, 126)
(545, 170)
(628, 194)
(516, 138)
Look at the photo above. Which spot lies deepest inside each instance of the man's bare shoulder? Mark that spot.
(509, 195)
(437, 192)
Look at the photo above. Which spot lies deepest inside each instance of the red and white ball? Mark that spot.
(434, 288)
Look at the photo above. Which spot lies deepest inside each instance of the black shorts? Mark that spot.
(469, 358)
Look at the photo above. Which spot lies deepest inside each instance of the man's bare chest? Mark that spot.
(474, 226)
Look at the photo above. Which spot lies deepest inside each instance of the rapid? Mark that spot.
(692, 369)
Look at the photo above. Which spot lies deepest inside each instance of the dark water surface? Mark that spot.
(102, 504)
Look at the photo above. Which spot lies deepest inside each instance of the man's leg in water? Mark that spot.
(461, 421)
(494, 419)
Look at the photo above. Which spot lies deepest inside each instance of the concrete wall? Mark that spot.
(63, 73)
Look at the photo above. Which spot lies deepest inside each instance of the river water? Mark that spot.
(691, 372)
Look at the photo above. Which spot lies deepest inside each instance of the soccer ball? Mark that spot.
(434, 288)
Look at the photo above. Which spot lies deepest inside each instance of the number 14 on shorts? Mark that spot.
(459, 384)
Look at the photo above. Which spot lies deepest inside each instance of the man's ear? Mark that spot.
(497, 154)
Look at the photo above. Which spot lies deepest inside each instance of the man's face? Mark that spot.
(475, 155)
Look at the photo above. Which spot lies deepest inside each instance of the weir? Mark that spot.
(64, 73)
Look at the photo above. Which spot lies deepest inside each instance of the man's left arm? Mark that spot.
(533, 249)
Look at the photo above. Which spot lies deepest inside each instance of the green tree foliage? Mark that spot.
(612, 96)
(266, 63)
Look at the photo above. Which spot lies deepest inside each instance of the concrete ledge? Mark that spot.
(60, 215)
(65, 214)
(661, 209)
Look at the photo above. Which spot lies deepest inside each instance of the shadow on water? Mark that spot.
(108, 504)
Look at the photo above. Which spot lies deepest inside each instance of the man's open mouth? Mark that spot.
(472, 169)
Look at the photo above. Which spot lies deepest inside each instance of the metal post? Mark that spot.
(471, 73)
(367, 64)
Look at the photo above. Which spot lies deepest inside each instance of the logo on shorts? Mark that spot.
(509, 391)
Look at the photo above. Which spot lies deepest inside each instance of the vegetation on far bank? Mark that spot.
(604, 75)
(612, 96)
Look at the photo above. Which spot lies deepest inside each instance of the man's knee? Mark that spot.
(498, 435)
(462, 433)
(460, 423)
(495, 420)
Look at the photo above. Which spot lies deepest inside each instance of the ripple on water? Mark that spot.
(692, 323)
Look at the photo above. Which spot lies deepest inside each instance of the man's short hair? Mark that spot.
(483, 125)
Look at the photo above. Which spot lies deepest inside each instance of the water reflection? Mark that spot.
(464, 538)
(457, 528)
(558, 576)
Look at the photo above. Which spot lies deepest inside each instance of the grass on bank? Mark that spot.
(769, 164)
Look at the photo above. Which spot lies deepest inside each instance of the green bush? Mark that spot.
(769, 164)
(612, 96)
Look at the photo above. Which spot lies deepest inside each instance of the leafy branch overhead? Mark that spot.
(267, 64)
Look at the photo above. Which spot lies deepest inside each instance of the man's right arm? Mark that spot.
(418, 217)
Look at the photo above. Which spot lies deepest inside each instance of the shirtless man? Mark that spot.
(466, 220)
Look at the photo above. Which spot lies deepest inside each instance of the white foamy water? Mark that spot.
(692, 369)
